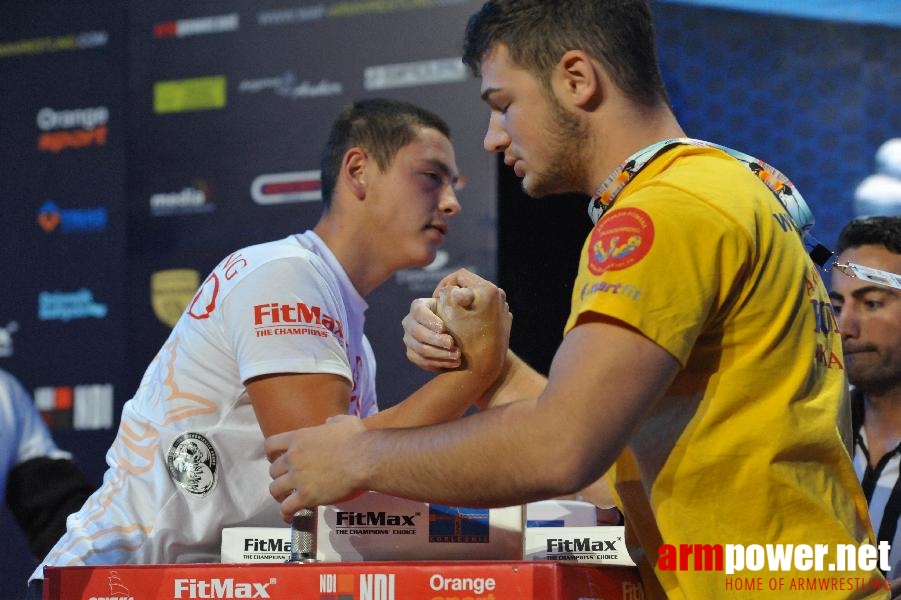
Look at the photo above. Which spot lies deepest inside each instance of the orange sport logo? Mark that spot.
(62, 129)
(621, 239)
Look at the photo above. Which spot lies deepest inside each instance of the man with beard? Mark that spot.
(869, 319)
(696, 363)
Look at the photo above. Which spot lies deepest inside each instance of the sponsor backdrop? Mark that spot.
(141, 143)
(64, 314)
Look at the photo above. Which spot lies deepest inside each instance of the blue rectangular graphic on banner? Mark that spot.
(451, 524)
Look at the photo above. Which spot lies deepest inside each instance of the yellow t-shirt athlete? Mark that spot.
(745, 445)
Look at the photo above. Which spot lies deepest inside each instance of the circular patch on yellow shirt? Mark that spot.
(621, 238)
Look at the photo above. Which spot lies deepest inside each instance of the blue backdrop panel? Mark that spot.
(63, 314)
(813, 98)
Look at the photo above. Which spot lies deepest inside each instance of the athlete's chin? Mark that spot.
(538, 187)
(531, 190)
(424, 258)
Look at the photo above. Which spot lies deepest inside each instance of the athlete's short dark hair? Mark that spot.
(378, 125)
(617, 33)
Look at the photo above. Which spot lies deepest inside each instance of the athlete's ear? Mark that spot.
(577, 80)
(353, 171)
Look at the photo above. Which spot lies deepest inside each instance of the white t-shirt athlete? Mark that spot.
(188, 458)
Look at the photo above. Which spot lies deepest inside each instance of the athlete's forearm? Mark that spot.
(517, 381)
(472, 461)
(446, 396)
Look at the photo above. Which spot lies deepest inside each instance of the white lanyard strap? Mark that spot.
(780, 185)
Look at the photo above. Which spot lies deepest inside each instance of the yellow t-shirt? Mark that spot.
(750, 443)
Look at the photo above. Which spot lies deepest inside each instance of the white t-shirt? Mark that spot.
(188, 458)
(23, 434)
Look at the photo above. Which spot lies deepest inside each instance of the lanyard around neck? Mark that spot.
(780, 185)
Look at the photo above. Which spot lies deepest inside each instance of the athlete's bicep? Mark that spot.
(286, 401)
(604, 378)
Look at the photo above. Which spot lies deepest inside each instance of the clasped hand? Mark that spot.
(465, 325)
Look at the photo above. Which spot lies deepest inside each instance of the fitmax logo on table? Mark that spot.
(227, 588)
(374, 519)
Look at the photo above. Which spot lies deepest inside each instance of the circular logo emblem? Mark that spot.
(621, 239)
(192, 463)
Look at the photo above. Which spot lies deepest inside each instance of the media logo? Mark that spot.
(170, 293)
(193, 466)
(189, 95)
(6, 339)
(71, 128)
(412, 74)
(191, 199)
(84, 407)
(81, 220)
(68, 306)
(197, 26)
(288, 85)
(285, 188)
(458, 525)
